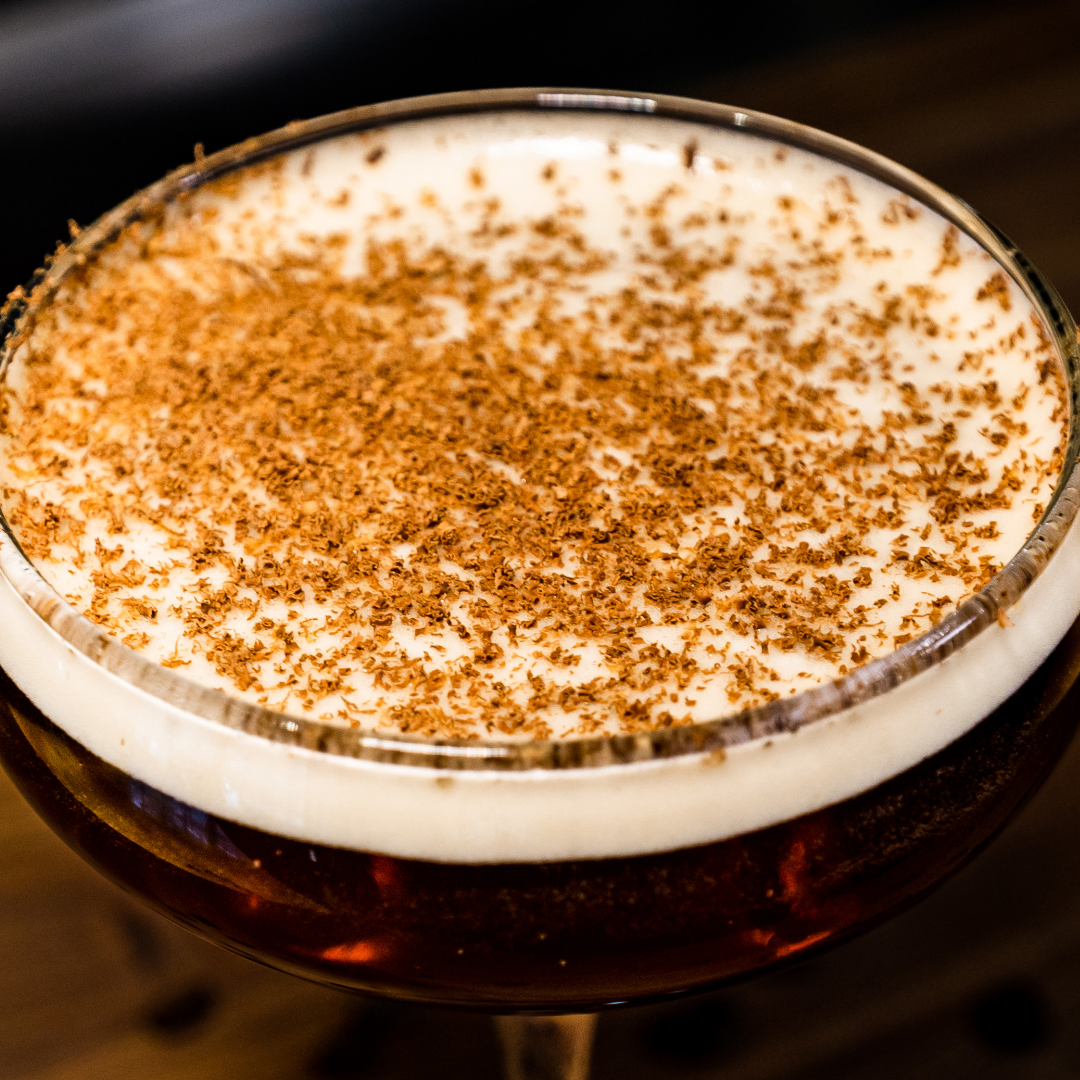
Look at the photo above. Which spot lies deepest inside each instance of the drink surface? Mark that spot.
(494, 432)
(542, 426)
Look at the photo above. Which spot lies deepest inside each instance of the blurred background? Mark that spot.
(100, 97)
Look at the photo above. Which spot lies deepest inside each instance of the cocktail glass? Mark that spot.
(544, 941)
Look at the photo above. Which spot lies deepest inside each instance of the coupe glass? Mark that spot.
(544, 943)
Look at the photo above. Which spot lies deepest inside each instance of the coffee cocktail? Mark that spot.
(527, 552)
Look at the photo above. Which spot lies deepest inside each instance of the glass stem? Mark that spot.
(547, 1047)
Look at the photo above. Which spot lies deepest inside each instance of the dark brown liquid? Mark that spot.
(556, 936)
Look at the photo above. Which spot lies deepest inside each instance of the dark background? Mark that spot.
(100, 98)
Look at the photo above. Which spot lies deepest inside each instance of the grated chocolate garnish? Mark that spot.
(516, 487)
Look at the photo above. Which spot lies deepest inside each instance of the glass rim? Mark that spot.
(975, 615)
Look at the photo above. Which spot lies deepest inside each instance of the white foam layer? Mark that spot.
(476, 816)
(536, 815)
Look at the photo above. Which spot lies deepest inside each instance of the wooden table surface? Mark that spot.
(982, 979)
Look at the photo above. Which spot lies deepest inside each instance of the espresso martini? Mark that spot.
(569, 446)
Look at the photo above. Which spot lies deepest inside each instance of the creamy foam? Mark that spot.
(927, 351)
